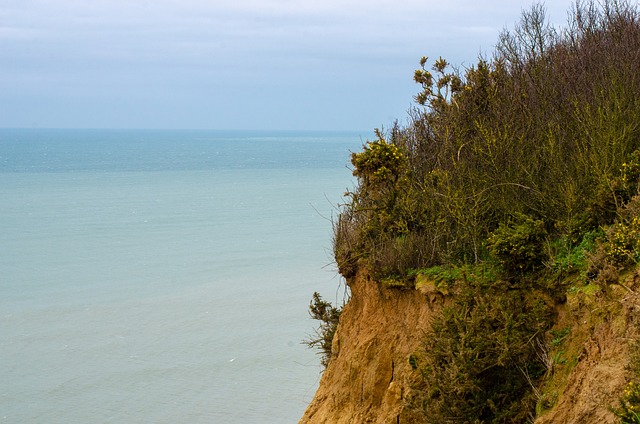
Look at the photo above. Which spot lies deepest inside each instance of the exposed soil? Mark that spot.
(369, 372)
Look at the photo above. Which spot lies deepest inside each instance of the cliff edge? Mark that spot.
(369, 373)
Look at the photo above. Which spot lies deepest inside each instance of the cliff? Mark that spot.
(369, 377)
(369, 373)
(502, 225)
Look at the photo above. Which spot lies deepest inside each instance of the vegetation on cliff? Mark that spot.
(545, 130)
(513, 182)
(329, 316)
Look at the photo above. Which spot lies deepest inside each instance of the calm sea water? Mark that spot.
(163, 276)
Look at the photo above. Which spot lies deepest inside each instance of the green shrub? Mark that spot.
(379, 163)
(481, 275)
(395, 258)
(479, 361)
(519, 245)
(443, 275)
(623, 241)
(347, 242)
(620, 245)
(630, 176)
(329, 316)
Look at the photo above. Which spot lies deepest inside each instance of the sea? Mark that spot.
(157, 276)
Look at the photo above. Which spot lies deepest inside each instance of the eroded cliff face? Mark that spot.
(369, 377)
(369, 373)
(598, 359)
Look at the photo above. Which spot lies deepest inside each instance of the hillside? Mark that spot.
(491, 246)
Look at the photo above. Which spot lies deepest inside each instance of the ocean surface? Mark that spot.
(164, 276)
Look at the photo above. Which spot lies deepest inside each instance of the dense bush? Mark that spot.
(480, 359)
(548, 128)
(519, 245)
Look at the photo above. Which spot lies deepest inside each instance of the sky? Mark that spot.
(233, 64)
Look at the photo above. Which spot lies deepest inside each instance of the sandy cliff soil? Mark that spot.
(369, 372)
(598, 355)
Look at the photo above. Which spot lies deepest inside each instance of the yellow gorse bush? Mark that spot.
(623, 241)
(629, 410)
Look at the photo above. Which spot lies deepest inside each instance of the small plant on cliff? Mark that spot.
(629, 410)
(618, 245)
(328, 316)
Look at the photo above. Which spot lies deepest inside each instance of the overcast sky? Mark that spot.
(233, 64)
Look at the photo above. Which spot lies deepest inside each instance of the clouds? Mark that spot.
(191, 63)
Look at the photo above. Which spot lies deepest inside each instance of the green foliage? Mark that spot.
(519, 245)
(617, 246)
(623, 241)
(447, 84)
(479, 360)
(445, 275)
(395, 258)
(629, 410)
(482, 275)
(559, 336)
(630, 175)
(329, 317)
(348, 241)
(378, 164)
(569, 257)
